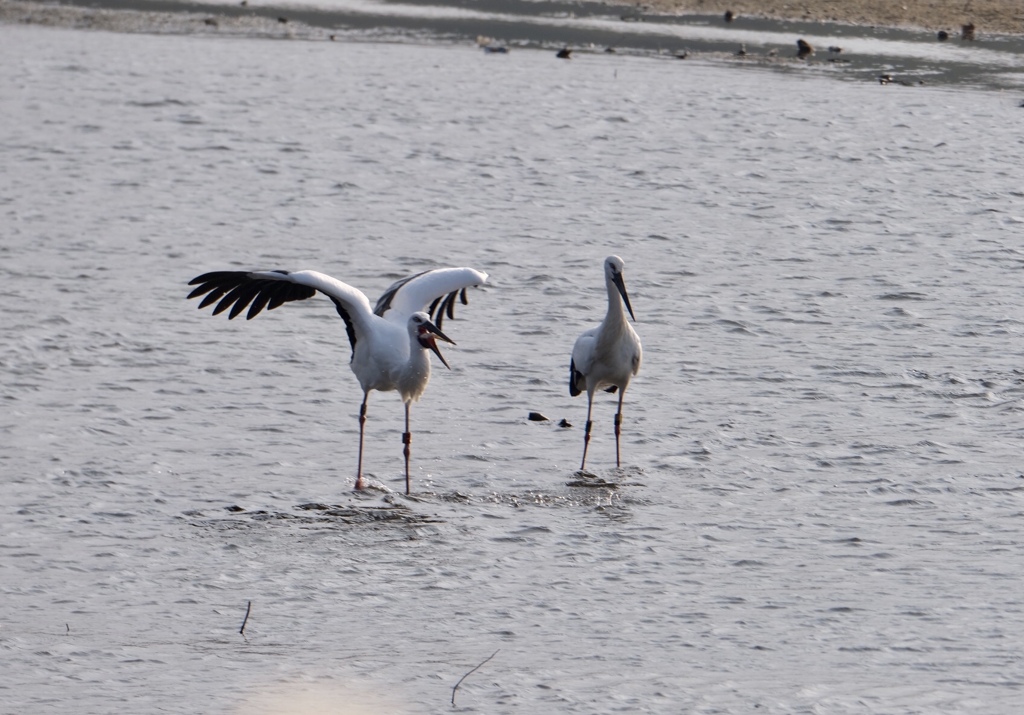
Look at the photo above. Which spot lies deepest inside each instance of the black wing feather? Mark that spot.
(575, 379)
(442, 306)
(245, 295)
(384, 302)
(212, 298)
(430, 310)
(237, 289)
(438, 312)
(227, 301)
(209, 284)
(259, 304)
(349, 328)
(438, 315)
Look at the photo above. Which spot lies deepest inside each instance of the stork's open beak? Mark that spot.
(617, 280)
(428, 331)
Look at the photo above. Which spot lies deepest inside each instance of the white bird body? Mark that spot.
(389, 342)
(609, 355)
(386, 360)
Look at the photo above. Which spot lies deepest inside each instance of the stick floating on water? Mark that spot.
(470, 673)
(246, 619)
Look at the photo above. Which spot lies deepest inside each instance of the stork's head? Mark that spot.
(428, 334)
(613, 267)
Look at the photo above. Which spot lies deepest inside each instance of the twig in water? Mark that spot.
(246, 619)
(470, 673)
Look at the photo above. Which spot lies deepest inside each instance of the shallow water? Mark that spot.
(821, 503)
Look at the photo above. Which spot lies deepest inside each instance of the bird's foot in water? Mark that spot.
(370, 489)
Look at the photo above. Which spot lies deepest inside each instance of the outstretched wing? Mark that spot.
(257, 290)
(433, 291)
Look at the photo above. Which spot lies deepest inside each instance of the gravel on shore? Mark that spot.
(1003, 17)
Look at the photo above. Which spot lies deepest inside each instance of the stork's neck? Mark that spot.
(419, 356)
(616, 310)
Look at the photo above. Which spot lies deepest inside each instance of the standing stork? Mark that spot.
(607, 356)
(389, 343)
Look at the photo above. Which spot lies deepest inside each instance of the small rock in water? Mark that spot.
(234, 508)
(536, 417)
(729, 16)
(943, 35)
(803, 49)
(565, 423)
(564, 54)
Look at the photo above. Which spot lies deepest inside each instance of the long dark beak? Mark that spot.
(427, 332)
(621, 286)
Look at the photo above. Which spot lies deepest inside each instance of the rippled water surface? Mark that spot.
(820, 508)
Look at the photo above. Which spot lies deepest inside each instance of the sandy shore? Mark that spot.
(993, 16)
(989, 16)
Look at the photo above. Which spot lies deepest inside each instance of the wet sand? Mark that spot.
(988, 16)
